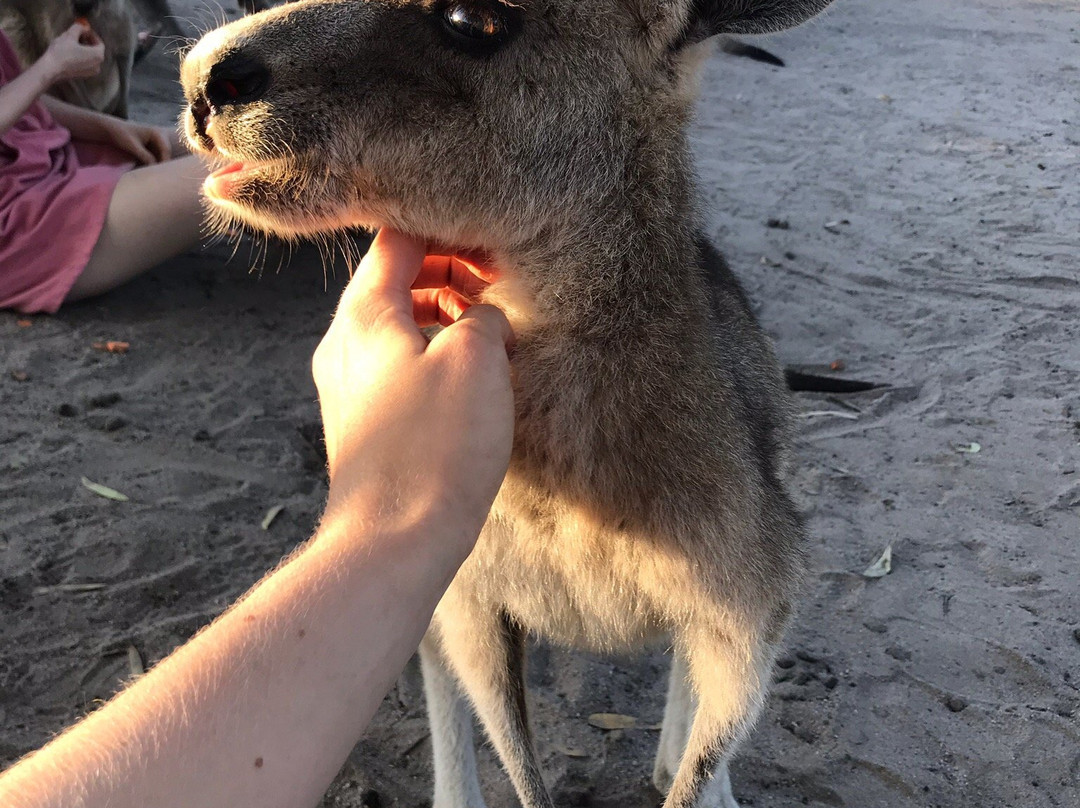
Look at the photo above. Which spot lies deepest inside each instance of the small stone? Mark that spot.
(104, 400)
(806, 656)
(956, 704)
(106, 423)
(370, 798)
(876, 626)
(20, 375)
(898, 652)
(574, 795)
(67, 410)
(804, 678)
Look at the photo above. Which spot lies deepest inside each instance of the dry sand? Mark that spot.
(924, 156)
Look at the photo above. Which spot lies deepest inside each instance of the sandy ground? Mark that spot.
(922, 157)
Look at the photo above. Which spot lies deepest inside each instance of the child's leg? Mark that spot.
(155, 214)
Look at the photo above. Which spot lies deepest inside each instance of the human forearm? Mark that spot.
(84, 124)
(18, 94)
(262, 708)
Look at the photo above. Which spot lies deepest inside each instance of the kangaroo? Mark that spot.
(645, 500)
(128, 28)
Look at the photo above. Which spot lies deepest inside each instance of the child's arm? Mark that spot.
(147, 144)
(76, 53)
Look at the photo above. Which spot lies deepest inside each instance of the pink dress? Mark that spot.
(54, 194)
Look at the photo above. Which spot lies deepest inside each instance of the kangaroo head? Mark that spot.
(481, 123)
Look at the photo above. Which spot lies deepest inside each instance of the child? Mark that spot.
(77, 218)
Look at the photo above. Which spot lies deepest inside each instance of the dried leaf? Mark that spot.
(969, 448)
(135, 661)
(104, 491)
(837, 365)
(45, 590)
(847, 416)
(112, 346)
(271, 515)
(24, 323)
(612, 721)
(571, 752)
(881, 567)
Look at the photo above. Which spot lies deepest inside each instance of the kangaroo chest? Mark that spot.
(569, 580)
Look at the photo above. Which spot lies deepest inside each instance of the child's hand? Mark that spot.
(147, 144)
(76, 54)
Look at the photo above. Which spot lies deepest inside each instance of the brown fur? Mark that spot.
(644, 501)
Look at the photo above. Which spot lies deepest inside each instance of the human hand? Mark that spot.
(147, 144)
(414, 430)
(76, 54)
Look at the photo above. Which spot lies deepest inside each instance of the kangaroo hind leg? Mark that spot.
(487, 654)
(726, 679)
(451, 719)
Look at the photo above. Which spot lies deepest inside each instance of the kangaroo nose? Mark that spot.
(200, 114)
(236, 79)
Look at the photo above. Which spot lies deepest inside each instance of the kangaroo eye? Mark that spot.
(474, 22)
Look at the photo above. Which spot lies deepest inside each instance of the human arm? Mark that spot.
(262, 708)
(76, 53)
(147, 144)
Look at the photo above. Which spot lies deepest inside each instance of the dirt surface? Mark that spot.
(919, 161)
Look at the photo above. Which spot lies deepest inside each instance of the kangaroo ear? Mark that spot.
(708, 18)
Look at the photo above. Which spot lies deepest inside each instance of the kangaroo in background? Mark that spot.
(645, 501)
(32, 24)
(128, 28)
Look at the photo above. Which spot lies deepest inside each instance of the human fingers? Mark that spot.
(443, 270)
(133, 146)
(488, 322)
(88, 38)
(158, 144)
(437, 306)
(387, 270)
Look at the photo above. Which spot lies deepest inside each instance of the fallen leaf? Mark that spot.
(24, 323)
(847, 416)
(271, 515)
(881, 567)
(45, 590)
(572, 753)
(837, 364)
(104, 490)
(611, 721)
(135, 661)
(111, 346)
(969, 448)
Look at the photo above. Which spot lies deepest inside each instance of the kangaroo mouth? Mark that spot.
(226, 183)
